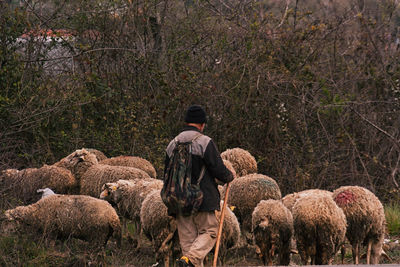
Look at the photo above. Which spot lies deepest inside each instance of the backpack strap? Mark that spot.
(203, 169)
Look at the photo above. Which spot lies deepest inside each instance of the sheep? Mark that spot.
(160, 228)
(366, 220)
(272, 227)
(78, 162)
(97, 175)
(246, 192)
(131, 161)
(99, 155)
(128, 196)
(243, 162)
(23, 184)
(320, 228)
(290, 199)
(230, 236)
(64, 216)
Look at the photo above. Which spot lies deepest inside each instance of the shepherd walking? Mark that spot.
(198, 226)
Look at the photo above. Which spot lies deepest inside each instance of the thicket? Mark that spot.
(310, 88)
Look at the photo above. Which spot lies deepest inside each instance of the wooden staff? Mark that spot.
(221, 223)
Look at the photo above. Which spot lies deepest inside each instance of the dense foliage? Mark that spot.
(310, 88)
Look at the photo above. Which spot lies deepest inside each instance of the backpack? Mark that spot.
(178, 193)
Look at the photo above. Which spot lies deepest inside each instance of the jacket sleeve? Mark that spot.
(215, 165)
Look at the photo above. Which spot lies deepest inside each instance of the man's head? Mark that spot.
(196, 116)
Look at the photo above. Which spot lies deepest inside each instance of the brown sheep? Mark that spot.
(64, 216)
(78, 162)
(97, 175)
(131, 161)
(365, 218)
(272, 226)
(242, 161)
(290, 199)
(320, 228)
(246, 192)
(23, 185)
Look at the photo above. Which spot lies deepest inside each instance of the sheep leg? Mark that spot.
(369, 251)
(270, 254)
(164, 245)
(356, 253)
(343, 253)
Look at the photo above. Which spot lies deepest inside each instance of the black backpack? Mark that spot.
(178, 193)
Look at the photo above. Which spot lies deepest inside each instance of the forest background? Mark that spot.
(310, 88)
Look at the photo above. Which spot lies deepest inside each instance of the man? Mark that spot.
(198, 232)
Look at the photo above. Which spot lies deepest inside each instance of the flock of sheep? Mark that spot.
(95, 193)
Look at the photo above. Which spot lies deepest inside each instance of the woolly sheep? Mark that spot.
(290, 199)
(365, 218)
(64, 216)
(23, 184)
(242, 161)
(99, 155)
(246, 192)
(131, 161)
(230, 236)
(97, 175)
(320, 227)
(159, 227)
(78, 162)
(128, 196)
(272, 226)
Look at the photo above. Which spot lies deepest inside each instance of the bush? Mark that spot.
(392, 213)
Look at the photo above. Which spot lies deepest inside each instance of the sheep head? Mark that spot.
(111, 192)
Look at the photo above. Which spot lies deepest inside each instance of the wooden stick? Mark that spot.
(221, 223)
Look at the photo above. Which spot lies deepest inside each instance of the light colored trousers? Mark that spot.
(197, 235)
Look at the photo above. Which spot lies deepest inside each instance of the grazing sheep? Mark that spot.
(290, 199)
(78, 162)
(160, 228)
(320, 227)
(97, 175)
(242, 161)
(128, 196)
(64, 216)
(130, 161)
(230, 236)
(272, 226)
(365, 218)
(23, 184)
(99, 155)
(245, 193)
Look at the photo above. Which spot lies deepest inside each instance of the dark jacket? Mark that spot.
(204, 152)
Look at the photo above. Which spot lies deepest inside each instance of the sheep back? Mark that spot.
(320, 227)
(272, 226)
(97, 175)
(242, 161)
(365, 216)
(62, 216)
(99, 155)
(290, 199)
(131, 161)
(245, 193)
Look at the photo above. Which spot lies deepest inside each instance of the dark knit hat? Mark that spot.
(195, 114)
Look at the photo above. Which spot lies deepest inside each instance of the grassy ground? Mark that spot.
(29, 250)
(33, 250)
